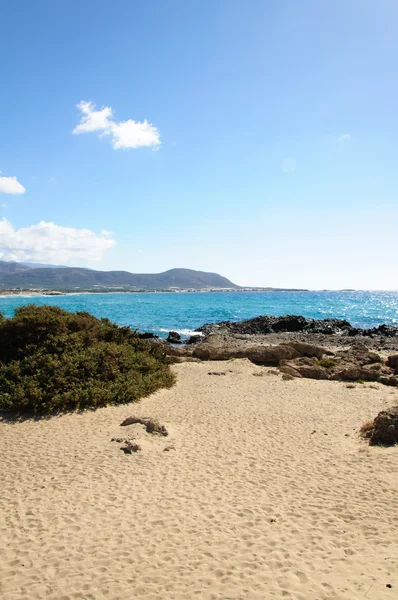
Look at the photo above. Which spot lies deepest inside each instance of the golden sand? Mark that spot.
(268, 494)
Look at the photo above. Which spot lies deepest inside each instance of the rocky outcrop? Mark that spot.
(355, 364)
(385, 427)
(294, 357)
(295, 323)
(309, 349)
(218, 347)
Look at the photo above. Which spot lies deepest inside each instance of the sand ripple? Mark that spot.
(250, 505)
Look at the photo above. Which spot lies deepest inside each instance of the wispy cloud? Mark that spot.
(346, 137)
(124, 134)
(289, 165)
(48, 242)
(10, 185)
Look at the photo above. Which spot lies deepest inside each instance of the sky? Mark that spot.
(256, 139)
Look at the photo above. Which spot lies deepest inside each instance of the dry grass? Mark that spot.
(366, 429)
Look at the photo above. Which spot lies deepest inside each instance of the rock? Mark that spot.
(184, 359)
(389, 380)
(271, 324)
(175, 351)
(385, 427)
(288, 370)
(287, 377)
(216, 373)
(392, 361)
(382, 330)
(130, 447)
(312, 372)
(309, 349)
(219, 347)
(294, 323)
(270, 355)
(356, 373)
(147, 335)
(174, 338)
(168, 448)
(152, 425)
(195, 339)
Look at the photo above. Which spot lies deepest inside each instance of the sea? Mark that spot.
(183, 312)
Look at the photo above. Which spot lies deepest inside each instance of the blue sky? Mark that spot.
(257, 139)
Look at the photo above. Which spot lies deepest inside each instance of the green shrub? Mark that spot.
(52, 360)
(326, 362)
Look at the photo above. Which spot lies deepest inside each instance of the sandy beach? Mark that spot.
(268, 493)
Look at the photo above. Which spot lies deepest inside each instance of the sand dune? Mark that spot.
(269, 493)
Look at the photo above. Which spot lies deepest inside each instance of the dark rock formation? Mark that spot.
(194, 339)
(270, 324)
(147, 335)
(385, 427)
(174, 338)
(392, 362)
(294, 323)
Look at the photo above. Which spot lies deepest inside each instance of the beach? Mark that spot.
(266, 491)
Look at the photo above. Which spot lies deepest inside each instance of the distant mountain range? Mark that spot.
(33, 276)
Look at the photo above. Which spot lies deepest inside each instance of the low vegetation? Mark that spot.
(52, 360)
(366, 429)
(326, 362)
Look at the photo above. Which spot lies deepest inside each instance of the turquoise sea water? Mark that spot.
(183, 312)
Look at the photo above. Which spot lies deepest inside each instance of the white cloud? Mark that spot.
(4, 205)
(289, 165)
(48, 242)
(10, 185)
(124, 134)
(345, 138)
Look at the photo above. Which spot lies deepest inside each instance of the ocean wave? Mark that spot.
(187, 332)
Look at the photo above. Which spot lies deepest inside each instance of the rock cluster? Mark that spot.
(354, 364)
(295, 323)
(300, 359)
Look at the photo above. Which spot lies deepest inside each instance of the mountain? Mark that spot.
(17, 275)
(7, 268)
(42, 266)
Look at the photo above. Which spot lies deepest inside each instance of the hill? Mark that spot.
(17, 275)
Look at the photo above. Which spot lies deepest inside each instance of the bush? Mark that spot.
(52, 360)
(326, 362)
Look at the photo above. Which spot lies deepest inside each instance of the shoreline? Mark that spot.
(51, 292)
